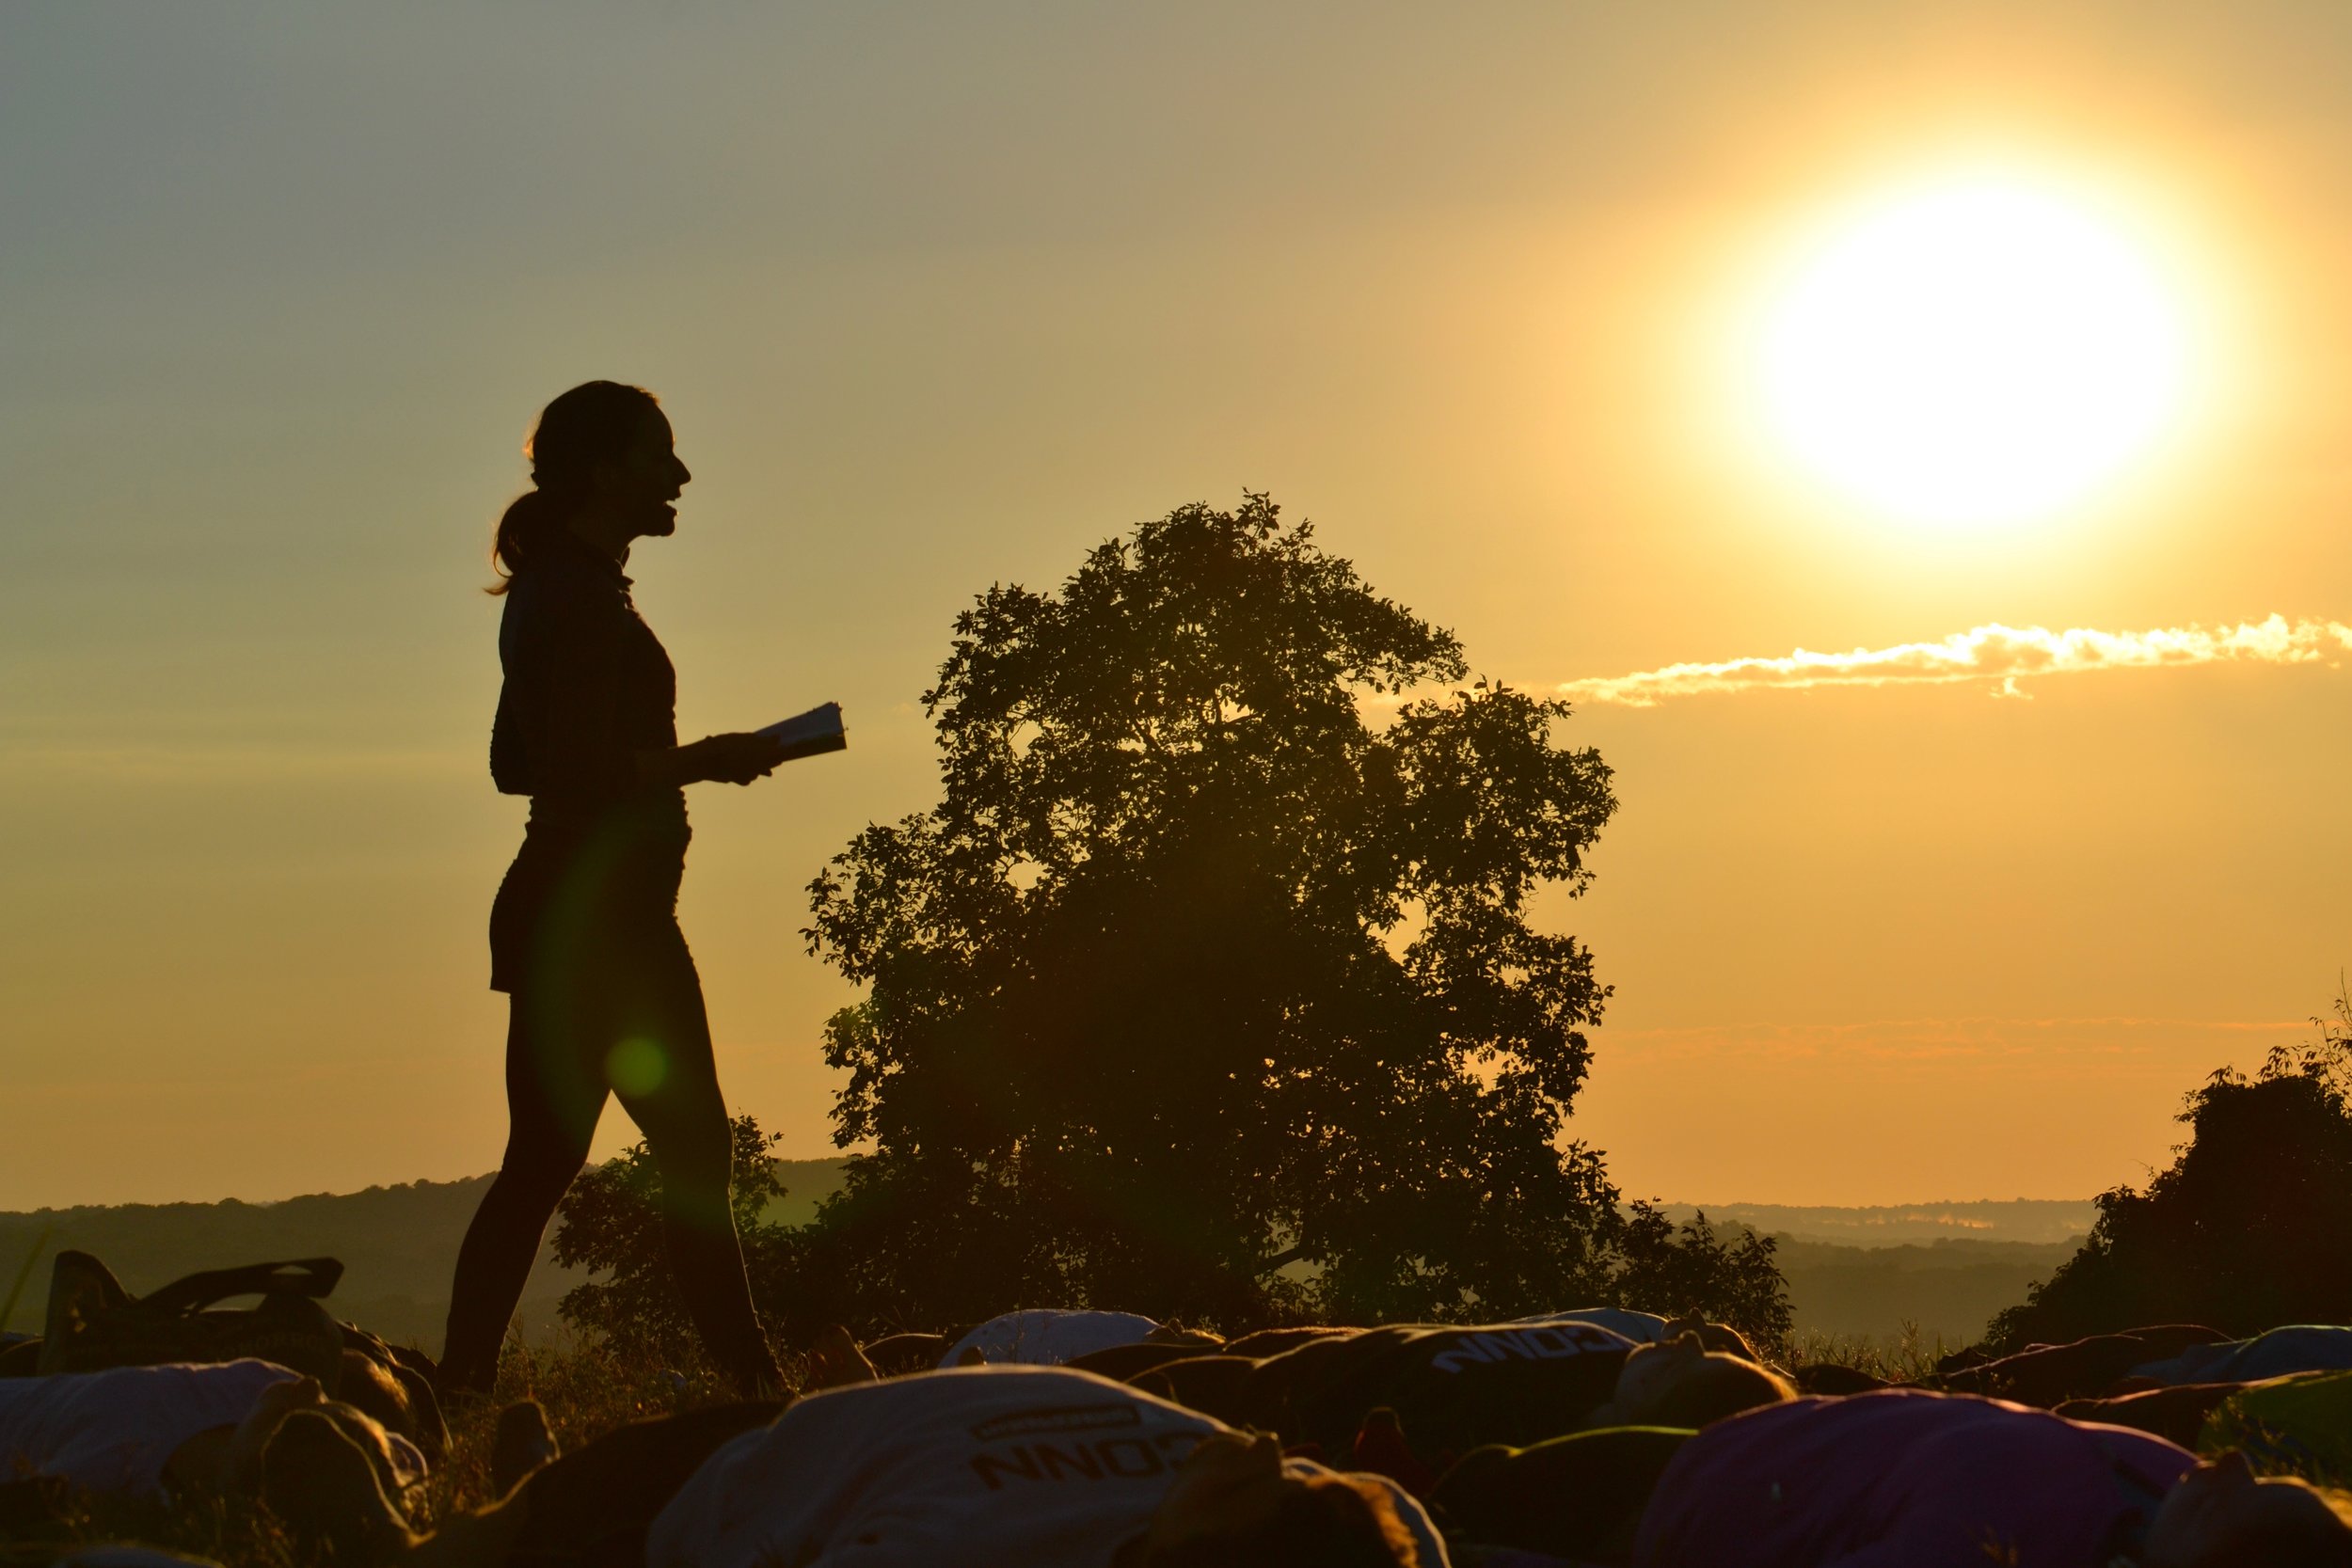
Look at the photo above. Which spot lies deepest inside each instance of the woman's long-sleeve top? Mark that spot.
(588, 687)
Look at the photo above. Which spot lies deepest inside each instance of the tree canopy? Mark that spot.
(1211, 973)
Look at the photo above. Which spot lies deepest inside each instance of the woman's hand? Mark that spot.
(736, 759)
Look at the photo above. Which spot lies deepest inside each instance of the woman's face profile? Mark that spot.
(639, 490)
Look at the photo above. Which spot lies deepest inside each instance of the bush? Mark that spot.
(1726, 1275)
(609, 1222)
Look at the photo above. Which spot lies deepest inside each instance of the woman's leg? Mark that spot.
(668, 1081)
(553, 1096)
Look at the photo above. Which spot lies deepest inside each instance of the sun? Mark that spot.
(1973, 349)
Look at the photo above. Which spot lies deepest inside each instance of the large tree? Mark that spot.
(1214, 958)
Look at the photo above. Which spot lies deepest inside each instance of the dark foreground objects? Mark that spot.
(189, 1437)
(141, 1431)
(2299, 1425)
(589, 1508)
(584, 938)
(2175, 1415)
(1455, 1390)
(94, 1324)
(969, 1469)
(2086, 1368)
(1904, 1479)
(2275, 1353)
(1579, 1496)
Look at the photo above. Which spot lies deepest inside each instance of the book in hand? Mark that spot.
(805, 734)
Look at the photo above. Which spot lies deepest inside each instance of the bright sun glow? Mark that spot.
(1979, 349)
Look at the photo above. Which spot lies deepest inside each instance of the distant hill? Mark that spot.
(397, 1244)
(1945, 1290)
(1944, 1267)
(2014, 1219)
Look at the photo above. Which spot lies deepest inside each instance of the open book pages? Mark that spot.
(805, 734)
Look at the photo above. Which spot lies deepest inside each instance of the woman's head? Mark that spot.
(600, 455)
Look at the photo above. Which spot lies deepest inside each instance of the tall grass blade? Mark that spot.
(24, 1273)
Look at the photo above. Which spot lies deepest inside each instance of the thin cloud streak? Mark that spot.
(1994, 653)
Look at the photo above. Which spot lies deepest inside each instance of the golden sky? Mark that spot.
(937, 299)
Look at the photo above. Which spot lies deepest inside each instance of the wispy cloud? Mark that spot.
(1997, 654)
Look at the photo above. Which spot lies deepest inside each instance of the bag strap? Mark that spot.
(310, 1276)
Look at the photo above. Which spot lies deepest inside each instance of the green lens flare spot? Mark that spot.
(636, 1067)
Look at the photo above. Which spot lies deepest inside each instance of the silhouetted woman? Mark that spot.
(584, 937)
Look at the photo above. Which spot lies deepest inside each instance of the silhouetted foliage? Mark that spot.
(2245, 1232)
(1726, 1275)
(1199, 994)
(610, 1222)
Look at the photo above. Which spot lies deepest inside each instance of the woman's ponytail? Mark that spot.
(594, 422)
(526, 517)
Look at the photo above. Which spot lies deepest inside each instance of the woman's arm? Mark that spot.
(735, 758)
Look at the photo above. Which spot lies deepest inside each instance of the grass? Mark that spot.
(16, 1290)
(226, 1530)
(1907, 1358)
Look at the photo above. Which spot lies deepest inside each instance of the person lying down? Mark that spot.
(163, 1431)
(1457, 1389)
(1902, 1478)
(983, 1465)
(1055, 1336)
(1047, 1467)
(1906, 1478)
(2275, 1353)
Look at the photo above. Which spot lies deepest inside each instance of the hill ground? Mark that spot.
(1941, 1269)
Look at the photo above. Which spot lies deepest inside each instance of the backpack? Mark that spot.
(95, 1324)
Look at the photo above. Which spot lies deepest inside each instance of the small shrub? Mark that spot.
(1693, 1272)
(609, 1222)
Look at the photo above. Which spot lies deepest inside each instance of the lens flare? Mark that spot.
(637, 1067)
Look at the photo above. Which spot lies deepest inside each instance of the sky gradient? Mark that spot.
(935, 300)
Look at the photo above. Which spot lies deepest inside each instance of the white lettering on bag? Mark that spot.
(1554, 1344)
(1105, 1459)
